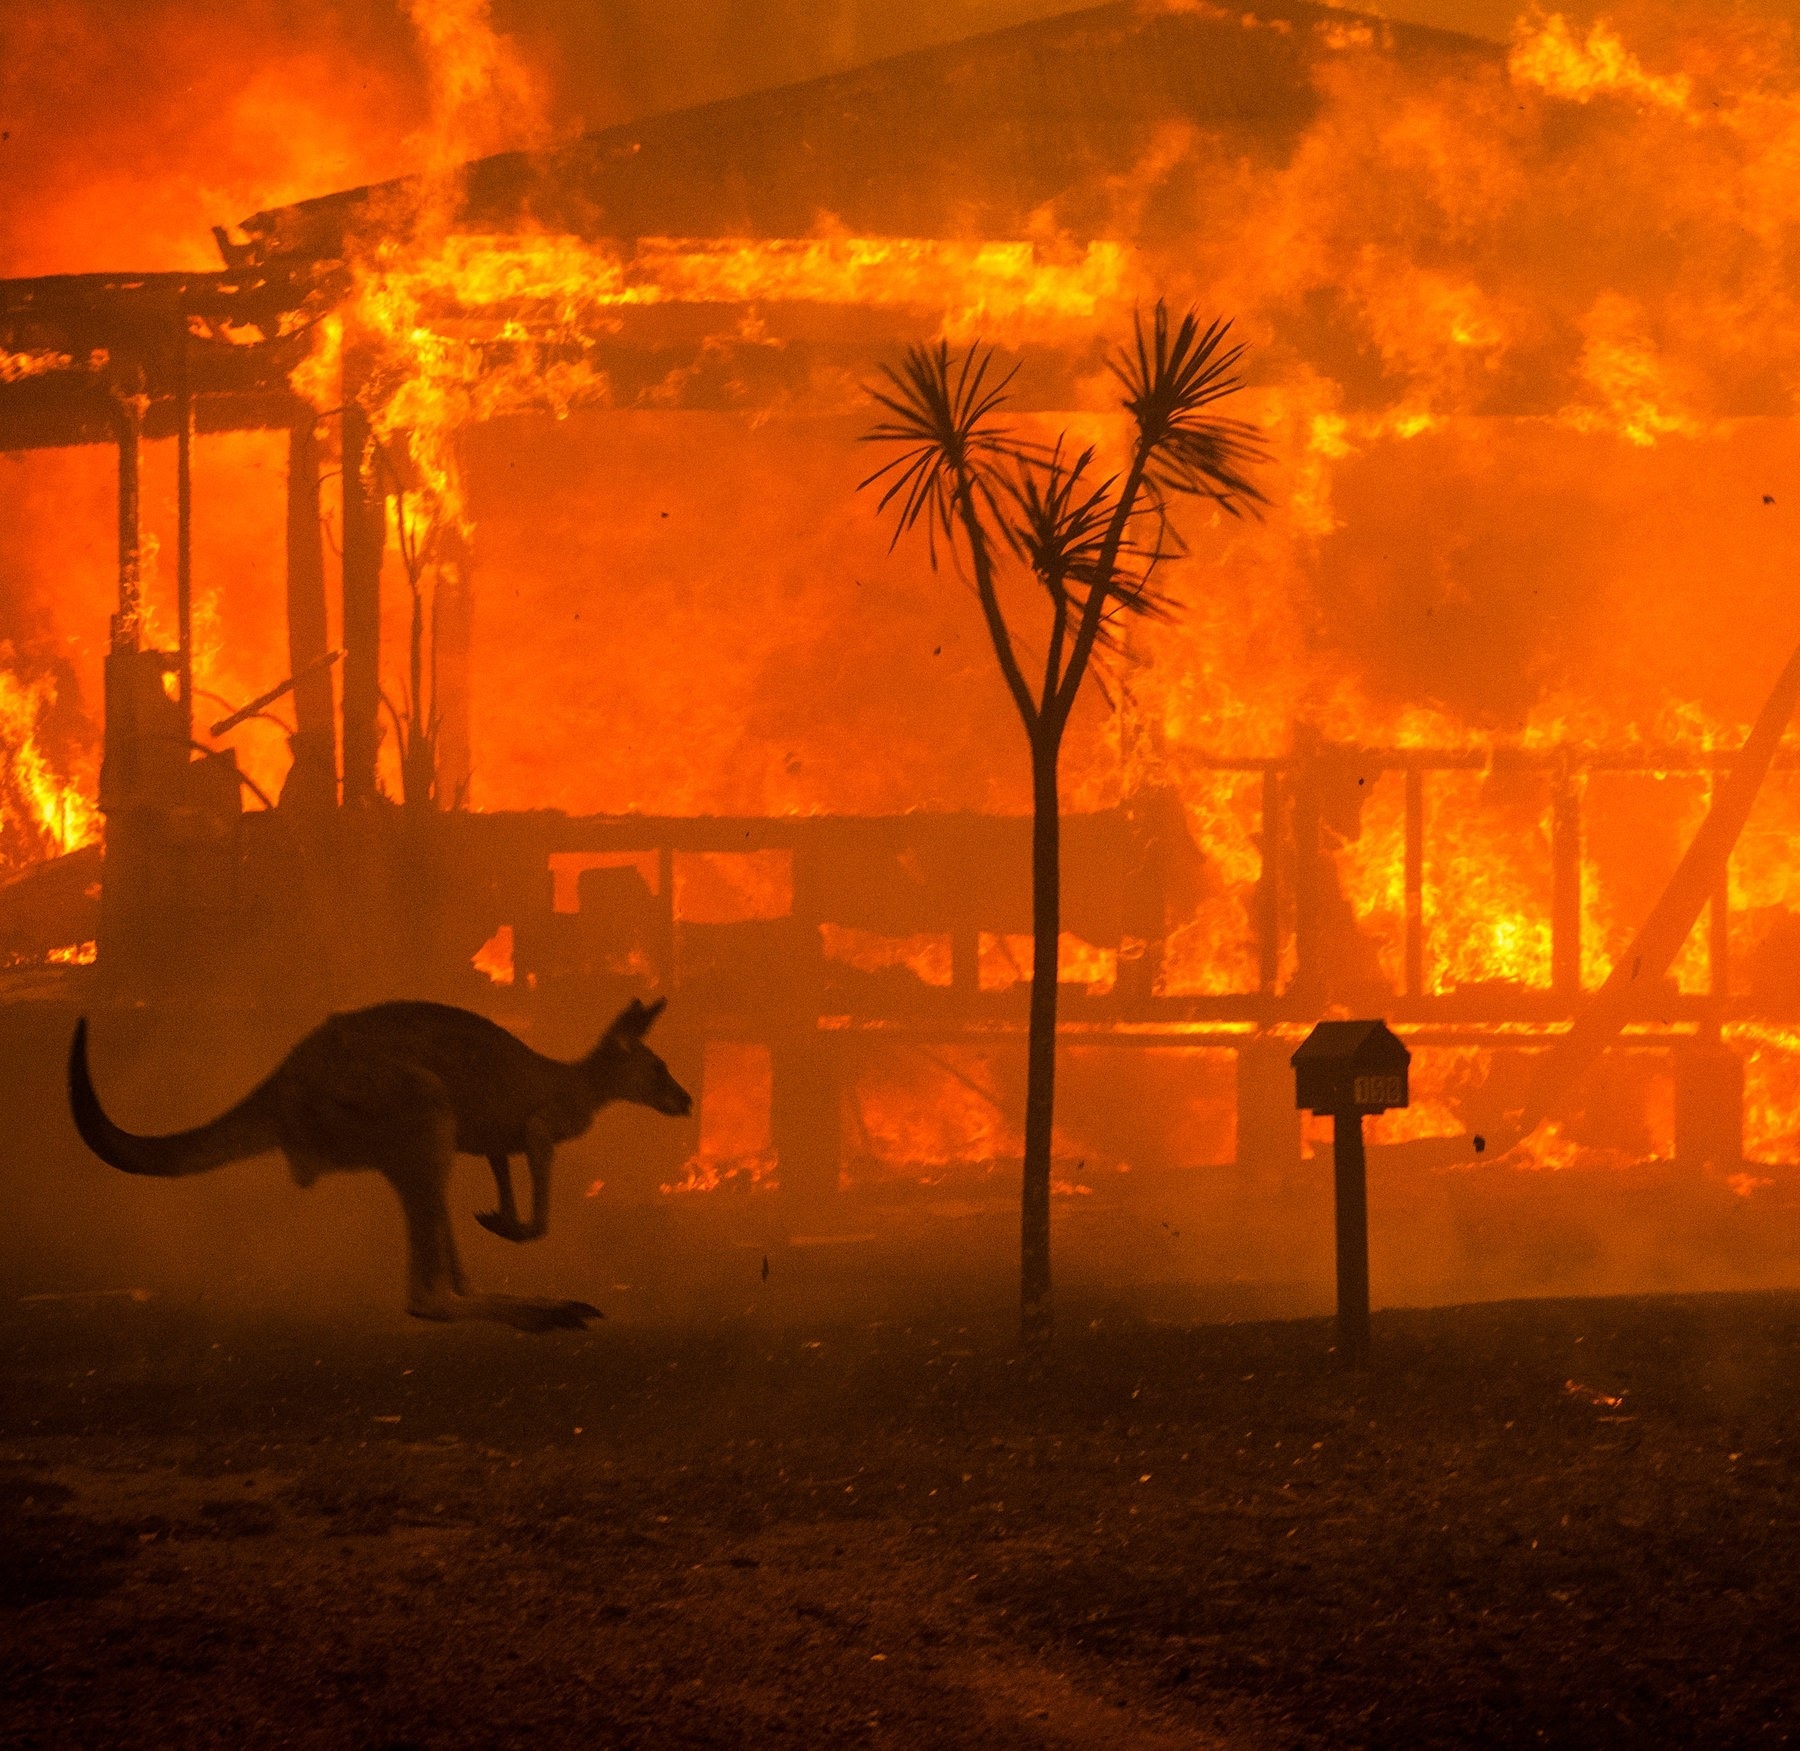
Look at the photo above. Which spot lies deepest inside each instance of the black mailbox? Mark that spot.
(1350, 1067)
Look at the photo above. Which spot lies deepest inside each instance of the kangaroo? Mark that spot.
(401, 1089)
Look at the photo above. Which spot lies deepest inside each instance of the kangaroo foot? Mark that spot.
(532, 1313)
(507, 1227)
(524, 1312)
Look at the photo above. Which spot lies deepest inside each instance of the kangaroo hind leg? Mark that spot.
(435, 1285)
(419, 1170)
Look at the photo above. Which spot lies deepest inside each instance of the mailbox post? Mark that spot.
(1348, 1068)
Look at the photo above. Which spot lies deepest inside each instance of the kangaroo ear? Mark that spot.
(633, 1021)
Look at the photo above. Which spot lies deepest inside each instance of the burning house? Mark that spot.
(494, 615)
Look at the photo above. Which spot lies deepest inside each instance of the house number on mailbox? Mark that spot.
(1375, 1091)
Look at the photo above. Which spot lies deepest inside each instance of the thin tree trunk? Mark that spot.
(1040, 1084)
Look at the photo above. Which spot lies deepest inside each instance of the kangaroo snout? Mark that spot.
(675, 1101)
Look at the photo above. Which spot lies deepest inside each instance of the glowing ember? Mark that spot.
(494, 959)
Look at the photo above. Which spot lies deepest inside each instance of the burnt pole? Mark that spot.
(315, 736)
(1347, 1069)
(127, 623)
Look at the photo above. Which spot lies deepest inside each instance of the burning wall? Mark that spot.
(1522, 339)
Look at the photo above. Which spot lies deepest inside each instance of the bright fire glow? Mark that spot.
(1532, 489)
(43, 813)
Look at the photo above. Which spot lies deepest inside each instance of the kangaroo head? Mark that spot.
(622, 1067)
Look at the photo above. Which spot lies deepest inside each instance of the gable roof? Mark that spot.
(1343, 1042)
(963, 139)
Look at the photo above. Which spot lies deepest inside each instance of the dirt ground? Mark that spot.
(1552, 1523)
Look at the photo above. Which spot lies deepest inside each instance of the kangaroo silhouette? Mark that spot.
(401, 1089)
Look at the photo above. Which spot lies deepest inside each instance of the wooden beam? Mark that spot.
(307, 634)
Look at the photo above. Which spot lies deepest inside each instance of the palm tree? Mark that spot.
(966, 475)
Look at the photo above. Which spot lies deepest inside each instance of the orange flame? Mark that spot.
(42, 812)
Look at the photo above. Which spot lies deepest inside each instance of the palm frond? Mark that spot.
(1059, 515)
(1059, 524)
(1170, 380)
(942, 417)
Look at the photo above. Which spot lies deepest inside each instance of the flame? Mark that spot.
(484, 95)
(464, 328)
(1516, 493)
(1624, 374)
(1549, 56)
(916, 1115)
(735, 1143)
(925, 956)
(1005, 961)
(43, 813)
(494, 959)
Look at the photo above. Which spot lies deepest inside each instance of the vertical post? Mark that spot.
(1352, 1187)
(184, 536)
(312, 783)
(307, 633)
(1565, 887)
(365, 535)
(1268, 886)
(128, 621)
(1415, 881)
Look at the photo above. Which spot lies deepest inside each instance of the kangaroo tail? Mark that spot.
(242, 1131)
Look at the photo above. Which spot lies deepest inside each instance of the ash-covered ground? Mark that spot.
(1557, 1523)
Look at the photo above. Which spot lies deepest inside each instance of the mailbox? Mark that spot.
(1350, 1067)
